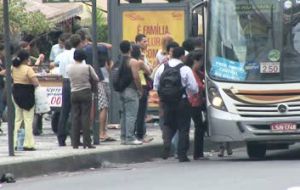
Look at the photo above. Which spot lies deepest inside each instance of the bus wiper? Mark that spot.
(259, 13)
(272, 26)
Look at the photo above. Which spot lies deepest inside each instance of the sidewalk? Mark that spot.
(49, 157)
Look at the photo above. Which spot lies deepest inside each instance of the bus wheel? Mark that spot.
(256, 151)
(54, 121)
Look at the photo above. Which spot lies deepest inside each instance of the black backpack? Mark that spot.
(121, 74)
(170, 89)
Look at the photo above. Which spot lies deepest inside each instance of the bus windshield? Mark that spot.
(254, 41)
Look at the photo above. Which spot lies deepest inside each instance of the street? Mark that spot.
(280, 171)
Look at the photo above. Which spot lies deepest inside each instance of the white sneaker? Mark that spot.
(134, 142)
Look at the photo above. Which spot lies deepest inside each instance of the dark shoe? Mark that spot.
(198, 157)
(61, 141)
(221, 152)
(62, 144)
(89, 146)
(75, 147)
(184, 159)
(29, 149)
(165, 154)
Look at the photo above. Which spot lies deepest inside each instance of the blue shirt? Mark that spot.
(103, 57)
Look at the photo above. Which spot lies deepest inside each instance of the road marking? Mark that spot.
(294, 188)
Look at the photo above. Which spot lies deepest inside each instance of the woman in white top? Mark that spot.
(162, 54)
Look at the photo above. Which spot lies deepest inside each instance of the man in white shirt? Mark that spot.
(177, 116)
(66, 59)
(59, 47)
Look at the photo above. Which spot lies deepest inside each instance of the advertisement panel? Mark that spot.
(154, 24)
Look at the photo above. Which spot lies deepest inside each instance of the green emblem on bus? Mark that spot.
(274, 55)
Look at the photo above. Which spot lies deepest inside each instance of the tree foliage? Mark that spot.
(21, 21)
(102, 27)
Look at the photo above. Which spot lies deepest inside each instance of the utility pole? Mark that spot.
(95, 65)
(8, 78)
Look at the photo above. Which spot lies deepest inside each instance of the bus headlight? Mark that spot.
(216, 99)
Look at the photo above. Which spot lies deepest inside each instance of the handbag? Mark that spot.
(94, 84)
(41, 100)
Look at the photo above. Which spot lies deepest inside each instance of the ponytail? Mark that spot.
(22, 55)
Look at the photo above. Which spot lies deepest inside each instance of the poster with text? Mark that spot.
(154, 24)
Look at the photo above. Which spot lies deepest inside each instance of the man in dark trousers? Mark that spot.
(66, 59)
(177, 114)
(140, 127)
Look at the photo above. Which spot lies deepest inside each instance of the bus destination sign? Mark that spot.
(65, 1)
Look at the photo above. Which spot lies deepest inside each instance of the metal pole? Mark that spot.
(95, 65)
(8, 78)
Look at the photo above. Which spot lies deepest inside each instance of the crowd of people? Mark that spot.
(177, 75)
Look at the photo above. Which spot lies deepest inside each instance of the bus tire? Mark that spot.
(256, 151)
(54, 121)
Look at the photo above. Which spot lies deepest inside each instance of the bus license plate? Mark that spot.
(284, 127)
(270, 67)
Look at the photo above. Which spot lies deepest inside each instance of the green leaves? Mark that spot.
(21, 21)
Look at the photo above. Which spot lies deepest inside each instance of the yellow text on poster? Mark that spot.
(154, 24)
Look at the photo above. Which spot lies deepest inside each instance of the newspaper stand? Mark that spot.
(53, 84)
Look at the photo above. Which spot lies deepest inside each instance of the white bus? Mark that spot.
(252, 64)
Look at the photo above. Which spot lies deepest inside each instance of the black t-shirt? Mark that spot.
(103, 57)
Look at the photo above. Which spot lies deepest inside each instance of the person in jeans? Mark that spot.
(194, 61)
(140, 126)
(24, 82)
(130, 98)
(177, 116)
(81, 98)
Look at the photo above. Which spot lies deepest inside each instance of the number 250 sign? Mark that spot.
(54, 96)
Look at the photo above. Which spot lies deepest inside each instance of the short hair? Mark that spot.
(178, 52)
(79, 55)
(22, 55)
(75, 40)
(136, 52)
(23, 44)
(125, 46)
(188, 45)
(139, 37)
(194, 55)
(82, 33)
(68, 44)
(198, 42)
(64, 36)
(172, 45)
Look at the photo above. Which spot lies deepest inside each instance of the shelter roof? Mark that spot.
(55, 12)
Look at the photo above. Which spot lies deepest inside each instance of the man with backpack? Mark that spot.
(174, 82)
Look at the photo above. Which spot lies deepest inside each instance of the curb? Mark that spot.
(81, 161)
(130, 154)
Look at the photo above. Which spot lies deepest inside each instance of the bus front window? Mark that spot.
(254, 41)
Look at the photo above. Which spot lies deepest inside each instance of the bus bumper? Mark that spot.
(229, 127)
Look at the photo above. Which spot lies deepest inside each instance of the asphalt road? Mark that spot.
(280, 171)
